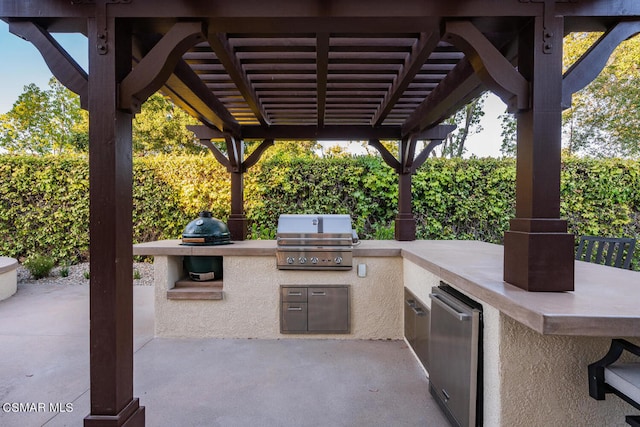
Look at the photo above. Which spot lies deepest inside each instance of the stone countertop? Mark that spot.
(375, 248)
(604, 302)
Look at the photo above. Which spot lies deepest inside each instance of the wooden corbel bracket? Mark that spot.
(257, 154)
(235, 152)
(493, 69)
(61, 64)
(435, 135)
(147, 77)
(388, 158)
(407, 153)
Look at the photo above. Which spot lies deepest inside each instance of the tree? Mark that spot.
(508, 134)
(44, 121)
(604, 118)
(286, 149)
(467, 120)
(51, 121)
(160, 127)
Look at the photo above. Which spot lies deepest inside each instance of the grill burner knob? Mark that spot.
(290, 260)
(314, 260)
(338, 260)
(302, 260)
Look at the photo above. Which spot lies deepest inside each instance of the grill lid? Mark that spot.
(315, 230)
(206, 230)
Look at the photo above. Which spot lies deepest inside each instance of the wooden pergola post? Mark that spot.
(111, 245)
(237, 221)
(538, 253)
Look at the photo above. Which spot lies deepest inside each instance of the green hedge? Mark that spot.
(44, 204)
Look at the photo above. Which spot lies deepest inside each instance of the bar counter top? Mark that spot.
(604, 302)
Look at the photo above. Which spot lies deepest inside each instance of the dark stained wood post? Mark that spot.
(237, 221)
(110, 163)
(538, 251)
(405, 222)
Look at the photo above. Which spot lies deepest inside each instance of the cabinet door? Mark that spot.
(293, 317)
(421, 342)
(409, 317)
(290, 294)
(328, 309)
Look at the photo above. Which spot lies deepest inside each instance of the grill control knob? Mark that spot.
(290, 260)
(314, 260)
(302, 260)
(338, 260)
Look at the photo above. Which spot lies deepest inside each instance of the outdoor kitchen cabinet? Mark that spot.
(416, 327)
(314, 309)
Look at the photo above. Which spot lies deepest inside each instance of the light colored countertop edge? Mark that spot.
(604, 302)
(7, 264)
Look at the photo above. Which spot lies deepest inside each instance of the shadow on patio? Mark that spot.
(44, 375)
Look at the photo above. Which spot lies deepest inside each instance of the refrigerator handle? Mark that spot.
(450, 308)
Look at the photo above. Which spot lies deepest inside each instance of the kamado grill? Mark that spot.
(315, 242)
(205, 231)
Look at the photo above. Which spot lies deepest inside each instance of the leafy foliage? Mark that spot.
(39, 265)
(52, 122)
(160, 127)
(44, 204)
(45, 121)
(509, 134)
(464, 199)
(467, 120)
(604, 120)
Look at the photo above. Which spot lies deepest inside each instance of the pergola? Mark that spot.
(314, 69)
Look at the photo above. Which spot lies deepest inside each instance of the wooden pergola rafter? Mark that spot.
(289, 69)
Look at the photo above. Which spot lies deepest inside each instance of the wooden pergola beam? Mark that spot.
(229, 61)
(296, 16)
(427, 42)
(494, 70)
(313, 132)
(460, 85)
(158, 64)
(322, 72)
(187, 91)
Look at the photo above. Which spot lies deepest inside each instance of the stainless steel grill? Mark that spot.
(315, 242)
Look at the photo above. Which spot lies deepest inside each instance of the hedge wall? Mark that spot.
(44, 205)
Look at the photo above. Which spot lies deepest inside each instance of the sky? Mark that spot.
(24, 65)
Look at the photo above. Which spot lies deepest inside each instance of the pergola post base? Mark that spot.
(132, 415)
(238, 226)
(405, 227)
(539, 262)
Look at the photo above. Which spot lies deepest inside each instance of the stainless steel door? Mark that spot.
(453, 356)
(328, 309)
(293, 317)
(416, 327)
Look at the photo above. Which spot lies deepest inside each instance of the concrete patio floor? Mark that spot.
(44, 363)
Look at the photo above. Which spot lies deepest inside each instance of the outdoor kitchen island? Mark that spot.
(536, 346)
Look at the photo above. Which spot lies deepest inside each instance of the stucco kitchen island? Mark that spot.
(536, 345)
